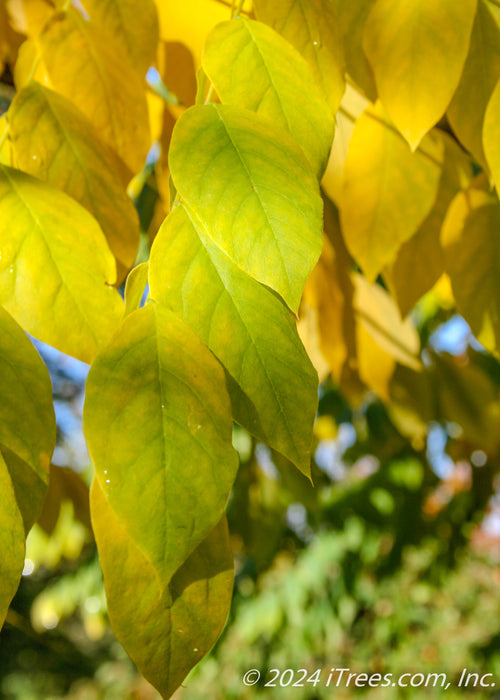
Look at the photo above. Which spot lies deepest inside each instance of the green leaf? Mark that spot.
(88, 69)
(27, 420)
(135, 287)
(55, 267)
(253, 190)
(472, 253)
(247, 328)
(387, 192)
(165, 626)
(158, 425)
(11, 542)
(134, 28)
(312, 27)
(420, 261)
(491, 135)
(480, 75)
(252, 48)
(53, 141)
(417, 50)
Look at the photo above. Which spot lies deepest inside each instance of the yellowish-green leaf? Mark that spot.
(472, 254)
(158, 424)
(312, 27)
(53, 141)
(420, 261)
(55, 267)
(252, 48)
(134, 27)
(480, 75)
(491, 135)
(95, 75)
(27, 421)
(11, 542)
(388, 190)
(253, 189)
(417, 49)
(234, 316)
(135, 287)
(165, 626)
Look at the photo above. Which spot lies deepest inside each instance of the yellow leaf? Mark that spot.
(312, 27)
(472, 253)
(96, 76)
(55, 267)
(29, 16)
(352, 17)
(190, 22)
(420, 261)
(388, 190)
(53, 141)
(376, 311)
(166, 626)
(134, 28)
(491, 135)
(417, 49)
(480, 75)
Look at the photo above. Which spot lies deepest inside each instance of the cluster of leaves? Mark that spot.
(245, 131)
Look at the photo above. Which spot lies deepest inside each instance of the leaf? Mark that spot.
(472, 255)
(252, 48)
(190, 23)
(352, 18)
(11, 542)
(165, 626)
(134, 28)
(480, 75)
(27, 420)
(378, 314)
(135, 287)
(55, 267)
(53, 141)
(64, 485)
(420, 261)
(491, 135)
(93, 74)
(417, 51)
(158, 425)
(312, 27)
(388, 190)
(253, 190)
(247, 328)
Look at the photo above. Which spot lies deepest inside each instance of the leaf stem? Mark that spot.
(239, 7)
(210, 93)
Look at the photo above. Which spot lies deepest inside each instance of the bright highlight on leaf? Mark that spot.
(271, 372)
(158, 424)
(417, 49)
(248, 46)
(252, 188)
(55, 267)
(53, 141)
(388, 190)
(175, 622)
